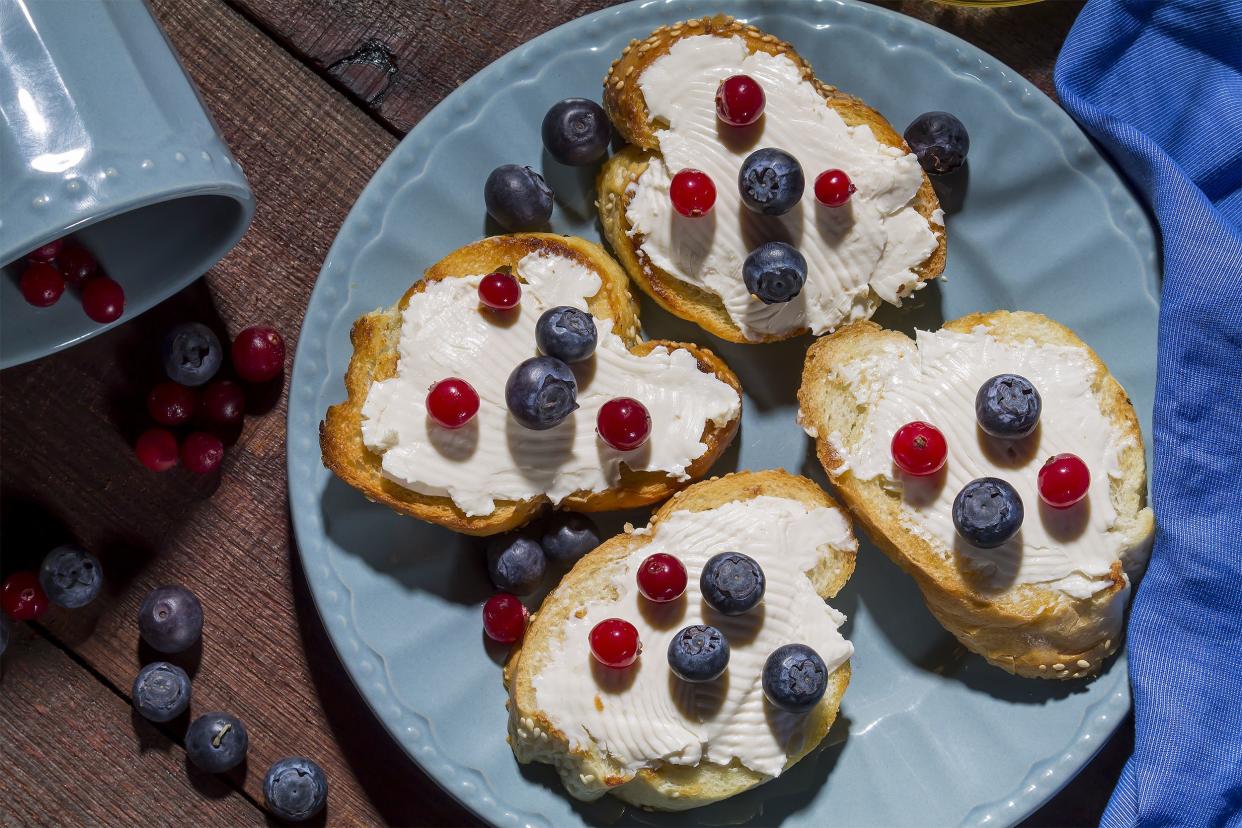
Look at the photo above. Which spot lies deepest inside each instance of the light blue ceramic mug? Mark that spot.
(103, 136)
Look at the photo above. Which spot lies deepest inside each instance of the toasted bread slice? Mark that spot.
(1030, 629)
(375, 339)
(588, 772)
(626, 106)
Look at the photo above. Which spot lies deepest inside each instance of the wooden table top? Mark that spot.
(311, 95)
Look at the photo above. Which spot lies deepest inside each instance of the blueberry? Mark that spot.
(170, 619)
(4, 632)
(732, 583)
(541, 392)
(794, 678)
(295, 789)
(515, 562)
(698, 653)
(566, 333)
(771, 181)
(576, 131)
(775, 272)
(939, 140)
(161, 692)
(191, 354)
(987, 512)
(70, 576)
(1008, 406)
(517, 197)
(216, 742)
(567, 536)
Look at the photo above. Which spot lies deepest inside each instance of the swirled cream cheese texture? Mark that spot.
(644, 714)
(856, 255)
(444, 333)
(1067, 549)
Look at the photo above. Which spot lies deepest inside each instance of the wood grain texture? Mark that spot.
(309, 94)
(54, 715)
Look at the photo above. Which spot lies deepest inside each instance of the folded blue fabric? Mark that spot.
(1159, 85)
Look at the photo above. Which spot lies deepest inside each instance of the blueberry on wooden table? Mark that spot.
(295, 789)
(216, 742)
(71, 577)
(161, 692)
(191, 354)
(170, 619)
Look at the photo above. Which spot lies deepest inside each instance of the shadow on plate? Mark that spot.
(769, 804)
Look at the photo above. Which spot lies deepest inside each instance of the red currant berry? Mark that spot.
(171, 403)
(202, 452)
(661, 578)
(224, 403)
(1063, 481)
(103, 299)
(157, 449)
(504, 618)
(22, 597)
(500, 291)
(614, 643)
(739, 100)
(77, 264)
(42, 284)
(692, 192)
(46, 252)
(833, 188)
(258, 354)
(623, 423)
(919, 449)
(452, 402)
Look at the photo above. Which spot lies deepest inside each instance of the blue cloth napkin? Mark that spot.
(1159, 85)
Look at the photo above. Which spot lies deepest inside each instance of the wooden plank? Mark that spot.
(399, 59)
(68, 469)
(73, 755)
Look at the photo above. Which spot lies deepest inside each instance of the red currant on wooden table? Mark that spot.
(739, 100)
(258, 354)
(42, 284)
(1063, 481)
(623, 423)
(919, 449)
(171, 403)
(202, 452)
(223, 403)
(614, 643)
(833, 188)
(500, 291)
(157, 449)
(661, 578)
(22, 597)
(692, 193)
(452, 402)
(504, 618)
(46, 252)
(103, 299)
(77, 264)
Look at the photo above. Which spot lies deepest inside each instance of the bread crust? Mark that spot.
(627, 108)
(375, 338)
(588, 774)
(1029, 630)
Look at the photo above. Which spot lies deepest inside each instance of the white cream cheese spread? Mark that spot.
(856, 255)
(1071, 549)
(445, 333)
(643, 715)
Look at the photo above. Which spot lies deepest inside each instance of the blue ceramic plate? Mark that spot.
(928, 734)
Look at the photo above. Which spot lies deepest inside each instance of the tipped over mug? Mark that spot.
(104, 137)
